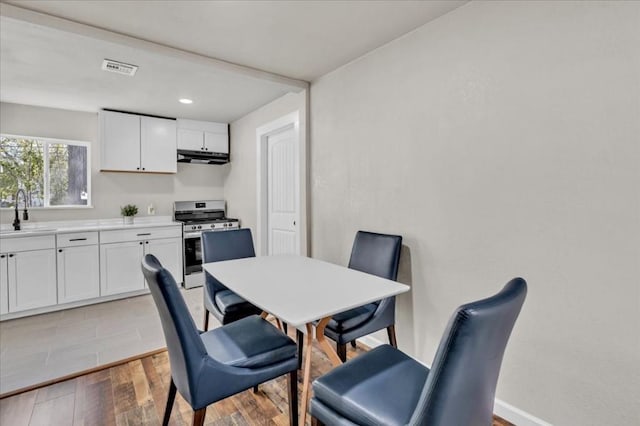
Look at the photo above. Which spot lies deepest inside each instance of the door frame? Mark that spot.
(291, 120)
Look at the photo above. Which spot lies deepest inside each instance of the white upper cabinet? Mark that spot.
(216, 142)
(120, 141)
(158, 145)
(192, 140)
(203, 136)
(136, 143)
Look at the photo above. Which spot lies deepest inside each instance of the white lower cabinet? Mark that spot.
(39, 272)
(28, 269)
(169, 253)
(32, 279)
(120, 262)
(78, 261)
(4, 284)
(120, 267)
(78, 273)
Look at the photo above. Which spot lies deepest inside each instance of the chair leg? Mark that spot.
(316, 422)
(391, 331)
(170, 398)
(198, 416)
(256, 389)
(206, 319)
(341, 349)
(285, 328)
(300, 339)
(353, 344)
(293, 398)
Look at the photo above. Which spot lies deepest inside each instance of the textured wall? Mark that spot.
(241, 184)
(109, 190)
(501, 140)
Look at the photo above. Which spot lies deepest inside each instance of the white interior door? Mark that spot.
(282, 192)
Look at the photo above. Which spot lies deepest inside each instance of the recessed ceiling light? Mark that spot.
(186, 101)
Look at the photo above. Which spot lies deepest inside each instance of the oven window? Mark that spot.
(192, 255)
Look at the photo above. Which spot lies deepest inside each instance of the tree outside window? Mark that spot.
(52, 172)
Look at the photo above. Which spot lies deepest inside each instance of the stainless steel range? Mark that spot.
(199, 216)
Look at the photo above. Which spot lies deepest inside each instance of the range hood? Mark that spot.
(202, 157)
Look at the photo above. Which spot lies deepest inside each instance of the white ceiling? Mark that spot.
(51, 62)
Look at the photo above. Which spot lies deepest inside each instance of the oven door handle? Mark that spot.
(191, 235)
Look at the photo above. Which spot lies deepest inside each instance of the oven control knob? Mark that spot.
(199, 226)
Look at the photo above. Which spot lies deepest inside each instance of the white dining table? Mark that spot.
(304, 293)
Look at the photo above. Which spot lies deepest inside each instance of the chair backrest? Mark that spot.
(461, 385)
(225, 245)
(377, 254)
(184, 344)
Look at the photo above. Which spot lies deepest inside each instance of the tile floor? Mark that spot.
(44, 347)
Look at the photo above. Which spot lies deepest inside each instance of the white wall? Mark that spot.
(240, 189)
(501, 140)
(109, 190)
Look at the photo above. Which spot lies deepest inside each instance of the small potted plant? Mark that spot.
(128, 212)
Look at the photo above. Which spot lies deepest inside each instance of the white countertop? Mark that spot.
(46, 228)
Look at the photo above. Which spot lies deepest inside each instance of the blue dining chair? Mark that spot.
(209, 366)
(223, 303)
(376, 254)
(386, 387)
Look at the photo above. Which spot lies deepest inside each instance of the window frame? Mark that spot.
(46, 174)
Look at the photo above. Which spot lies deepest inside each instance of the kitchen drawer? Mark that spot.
(137, 234)
(77, 239)
(41, 242)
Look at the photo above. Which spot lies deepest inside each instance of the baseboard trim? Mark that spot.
(502, 409)
(516, 416)
(370, 341)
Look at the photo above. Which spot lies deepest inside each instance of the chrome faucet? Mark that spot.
(25, 214)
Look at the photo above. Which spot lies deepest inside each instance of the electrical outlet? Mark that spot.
(151, 210)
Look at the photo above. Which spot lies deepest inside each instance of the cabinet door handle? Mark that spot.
(11, 255)
(2, 256)
(146, 242)
(143, 234)
(78, 239)
(59, 250)
(140, 242)
(137, 168)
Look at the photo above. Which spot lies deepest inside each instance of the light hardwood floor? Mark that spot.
(135, 392)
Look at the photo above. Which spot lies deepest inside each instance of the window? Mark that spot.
(53, 173)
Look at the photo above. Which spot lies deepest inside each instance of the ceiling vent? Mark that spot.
(119, 67)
